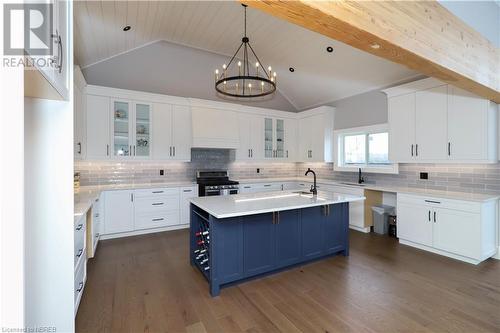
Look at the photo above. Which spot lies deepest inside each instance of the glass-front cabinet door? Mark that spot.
(268, 138)
(142, 145)
(274, 138)
(121, 129)
(280, 138)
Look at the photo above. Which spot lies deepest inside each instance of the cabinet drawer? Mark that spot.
(161, 203)
(435, 202)
(155, 192)
(79, 283)
(79, 239)
(156, 220)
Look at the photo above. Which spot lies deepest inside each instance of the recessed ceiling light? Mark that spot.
(375, 46)
(291, 69)
(127, 28)
(329, 49)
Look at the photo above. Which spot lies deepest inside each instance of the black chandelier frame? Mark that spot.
(267, 79)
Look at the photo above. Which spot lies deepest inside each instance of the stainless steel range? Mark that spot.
(212, 183)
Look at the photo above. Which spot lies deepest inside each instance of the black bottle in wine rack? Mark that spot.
(202, 246)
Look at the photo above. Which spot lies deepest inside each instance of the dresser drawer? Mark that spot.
(157, 219)
(79, 239)
(160, 203)
(155, 192)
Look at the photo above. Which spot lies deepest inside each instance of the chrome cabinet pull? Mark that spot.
(79, 227)
(80, 287)
(59, 57)
(432, 201)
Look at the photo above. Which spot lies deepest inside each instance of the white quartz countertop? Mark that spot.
(85, 196)
(476, 197)
(258, 203)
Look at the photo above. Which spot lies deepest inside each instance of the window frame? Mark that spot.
(340, 165)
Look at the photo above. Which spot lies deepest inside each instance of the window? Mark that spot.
(364, 147)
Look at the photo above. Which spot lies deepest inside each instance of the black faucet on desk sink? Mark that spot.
(361, 179)
(313, 189)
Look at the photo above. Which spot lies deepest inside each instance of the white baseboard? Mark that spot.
(143, 232)
(361, 229)
(443, 253)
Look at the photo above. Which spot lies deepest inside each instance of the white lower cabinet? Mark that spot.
(80, 258)
(136, 211)
(118, 211)
(186, 194)
(464, 230)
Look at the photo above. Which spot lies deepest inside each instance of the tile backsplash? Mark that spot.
(477, 178)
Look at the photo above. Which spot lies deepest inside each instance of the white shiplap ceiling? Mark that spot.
(217, 26)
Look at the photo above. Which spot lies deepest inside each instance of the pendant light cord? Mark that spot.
(245, 29)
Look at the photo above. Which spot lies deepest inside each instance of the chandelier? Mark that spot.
(245, 77)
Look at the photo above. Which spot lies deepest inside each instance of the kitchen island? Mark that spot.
(238, 237)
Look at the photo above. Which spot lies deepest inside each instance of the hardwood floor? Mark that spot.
(145, 284)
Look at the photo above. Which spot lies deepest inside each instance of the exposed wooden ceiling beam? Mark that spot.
(421, 35)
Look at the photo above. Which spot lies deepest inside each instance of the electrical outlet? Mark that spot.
(258, 170)
(162, 172)
(424, 175)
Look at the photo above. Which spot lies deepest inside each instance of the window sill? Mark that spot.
(390, 169)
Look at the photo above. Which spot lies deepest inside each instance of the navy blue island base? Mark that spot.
(234, 249)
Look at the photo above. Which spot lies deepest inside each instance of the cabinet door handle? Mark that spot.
(429, 216)
(170, 154)
(107, 150)
(130, 150)
(278, 217)
(79, 254)
(80, 287)
(416, 149)
(248, 152)
(59, 57)
(157, 192)
(132, 197)
(434, 217)
(449, 148)
(79, 227)
(251, 152)
(432, 201)
(173, 150)
(412, 149)
(187, 190)
(158, 203)
(79, 144)
(158, 219)
(274, 218)
(287, 154)
(134, 150)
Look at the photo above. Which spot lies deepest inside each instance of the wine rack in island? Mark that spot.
(202, 250)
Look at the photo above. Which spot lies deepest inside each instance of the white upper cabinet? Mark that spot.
(214, 128)
(97, 129)
(291, 139)
(51, 81)
(402, 127)
(251, 141)
(316, 135)
(430, 124)
(472, 126)
(181, 132)
(275, 136)
(79, 146)
(433, 122)
(171, 132)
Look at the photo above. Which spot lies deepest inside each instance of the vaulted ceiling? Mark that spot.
(217, 26)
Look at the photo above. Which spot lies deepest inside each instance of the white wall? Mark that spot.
(361, 110)
(483, 16)
(49, 214)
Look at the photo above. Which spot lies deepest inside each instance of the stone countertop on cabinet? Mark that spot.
(267, 202)
(454, 195)
(85, 196)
